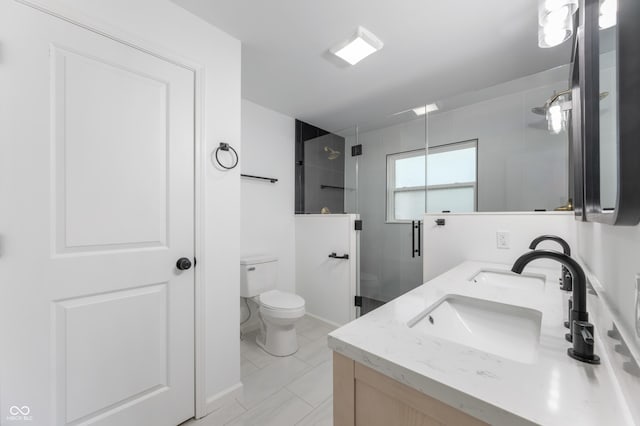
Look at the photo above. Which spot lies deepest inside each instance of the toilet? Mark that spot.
(279, 310)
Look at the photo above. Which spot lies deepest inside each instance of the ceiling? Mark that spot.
(432, 49)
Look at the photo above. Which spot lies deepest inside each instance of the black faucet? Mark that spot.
(581, 331)
(565, 279)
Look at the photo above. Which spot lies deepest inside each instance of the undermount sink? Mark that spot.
(510, 280)
(508, 331)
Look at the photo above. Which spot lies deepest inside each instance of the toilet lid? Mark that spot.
(277, 299)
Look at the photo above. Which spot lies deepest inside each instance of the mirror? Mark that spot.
(608, 134)
(499, 148)
(518, 132)
(611, 95)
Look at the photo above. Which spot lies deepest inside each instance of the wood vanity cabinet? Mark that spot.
(364, 397)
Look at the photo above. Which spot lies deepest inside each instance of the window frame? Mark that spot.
(391, 190)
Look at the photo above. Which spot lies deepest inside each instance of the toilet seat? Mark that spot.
(281, 300)
(280, 304)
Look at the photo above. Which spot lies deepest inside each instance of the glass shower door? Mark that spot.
(386, 172)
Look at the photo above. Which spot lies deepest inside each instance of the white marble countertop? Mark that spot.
(553, 389)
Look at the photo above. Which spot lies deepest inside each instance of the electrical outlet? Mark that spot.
(503, 239)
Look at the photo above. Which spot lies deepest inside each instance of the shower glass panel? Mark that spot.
(320, 170)
(386, 186)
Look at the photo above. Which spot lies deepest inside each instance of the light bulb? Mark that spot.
(553, 36)
(554, 118)
(608, 13)
(557, 17)
(555, 21)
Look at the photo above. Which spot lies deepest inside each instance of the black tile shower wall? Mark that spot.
(319, 170)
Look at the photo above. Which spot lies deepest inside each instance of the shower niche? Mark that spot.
(319, 170)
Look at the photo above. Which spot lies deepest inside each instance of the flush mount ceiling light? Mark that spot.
(555, 21)
(362, 44)
(425, 109)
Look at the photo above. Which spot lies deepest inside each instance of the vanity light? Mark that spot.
(425, 109)
(555, 21)
(554, 119)
(608, 13)
(558, 112)
(361, 45)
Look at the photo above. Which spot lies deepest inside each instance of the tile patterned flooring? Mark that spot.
(283, 391)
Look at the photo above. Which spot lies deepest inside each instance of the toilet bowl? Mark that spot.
(279, 310)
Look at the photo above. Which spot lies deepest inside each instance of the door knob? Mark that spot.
(183, 264)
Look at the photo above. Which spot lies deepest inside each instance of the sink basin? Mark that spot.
(508, 331)
(508, 279)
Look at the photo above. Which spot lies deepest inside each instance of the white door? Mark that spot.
(97, 205)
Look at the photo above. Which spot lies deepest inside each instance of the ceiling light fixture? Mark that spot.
(425, 109)
(362, 44)
(555, 21)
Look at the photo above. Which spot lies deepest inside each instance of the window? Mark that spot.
(450, 177)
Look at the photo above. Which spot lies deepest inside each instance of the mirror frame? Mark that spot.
(627, 210)
(576, 159)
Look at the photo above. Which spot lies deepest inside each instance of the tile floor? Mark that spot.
(288, 391)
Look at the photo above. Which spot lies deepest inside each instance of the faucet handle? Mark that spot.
(566, 281)
(583, 343)
(586, 335)
(567, 324)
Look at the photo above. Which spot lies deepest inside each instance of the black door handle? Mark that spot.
(183, 264)
(413, 238)
(419, 238)
(416, 225)
(335, 256)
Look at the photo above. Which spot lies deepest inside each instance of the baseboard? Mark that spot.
(226, 397)
(335, 324)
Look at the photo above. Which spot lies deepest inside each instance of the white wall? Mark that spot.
(473, 237)
(165, 27)
(612, 253)
(267, 209)
(328, 285)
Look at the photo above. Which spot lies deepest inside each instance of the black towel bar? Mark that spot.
(272, 180)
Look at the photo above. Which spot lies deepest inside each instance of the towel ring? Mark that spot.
(226, 147)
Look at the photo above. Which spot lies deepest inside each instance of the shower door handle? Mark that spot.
(413, 238)
(416, 225)
(419, 238)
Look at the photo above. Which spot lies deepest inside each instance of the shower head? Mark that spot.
(333, 154)
(541, 110)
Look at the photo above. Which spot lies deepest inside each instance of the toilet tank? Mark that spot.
(258, 274)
